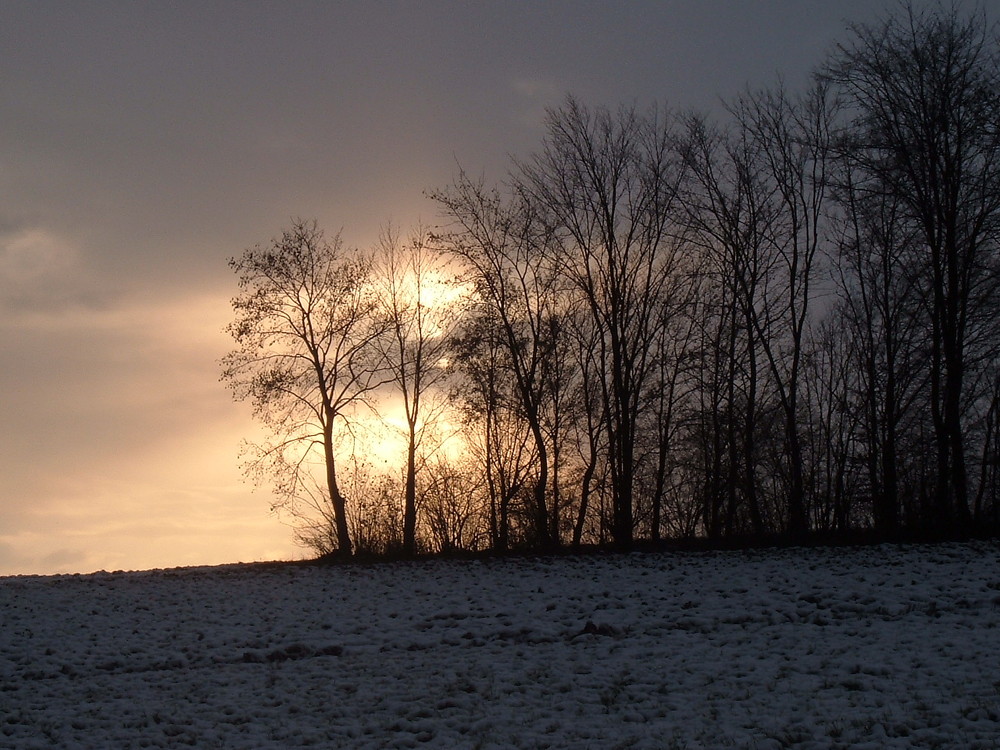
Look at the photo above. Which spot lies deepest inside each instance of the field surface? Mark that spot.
(880, 647)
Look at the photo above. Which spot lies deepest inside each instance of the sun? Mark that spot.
(435, 294)
(381, 434)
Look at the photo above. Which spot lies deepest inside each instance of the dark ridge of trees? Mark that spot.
(503, 246)
(779, 325)
(923, 135)
(605, 185)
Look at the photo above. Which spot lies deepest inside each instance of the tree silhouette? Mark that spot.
(924, 87)
(606, 184)
(779, 321)
(501, 242)
(306, 324)
(414, 291)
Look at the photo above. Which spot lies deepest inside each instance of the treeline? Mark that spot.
(667, 325)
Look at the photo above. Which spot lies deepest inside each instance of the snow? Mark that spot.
(880, 647)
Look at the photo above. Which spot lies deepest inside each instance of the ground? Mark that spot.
(881, 647)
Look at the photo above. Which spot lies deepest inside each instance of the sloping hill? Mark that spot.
(885, 646)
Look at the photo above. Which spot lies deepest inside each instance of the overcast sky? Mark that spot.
(144, 143)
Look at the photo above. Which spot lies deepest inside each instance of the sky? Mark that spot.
(143, 144)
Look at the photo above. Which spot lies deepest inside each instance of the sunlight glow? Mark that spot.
(382, 437)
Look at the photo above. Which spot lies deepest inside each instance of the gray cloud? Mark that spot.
(142, 144)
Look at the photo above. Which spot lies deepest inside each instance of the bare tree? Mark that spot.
(373, 515)
(793, 140)
(670, 388)
(453, 514)
(497, 438)
(306, 323)
(880, 305)
(421, 308)
(924, 87)
(590, 440)
(501, 243)
(606, 183)
(730, 206)
(831, 378)
(987, 505)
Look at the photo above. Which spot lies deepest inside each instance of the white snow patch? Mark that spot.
(882, 647)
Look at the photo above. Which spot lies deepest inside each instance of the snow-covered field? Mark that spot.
(880, 647)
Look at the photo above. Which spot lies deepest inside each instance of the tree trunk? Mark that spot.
(410, 497)
(337, 500)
